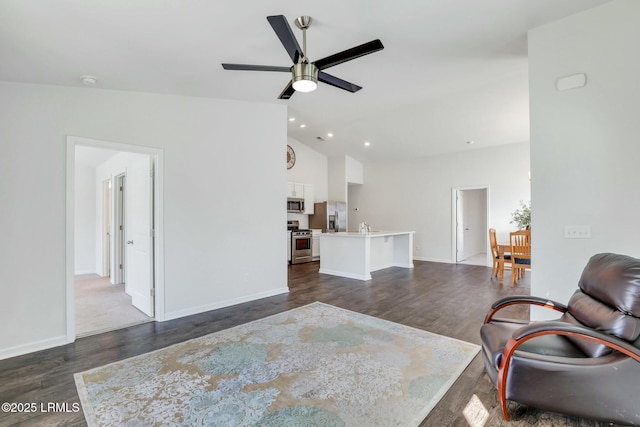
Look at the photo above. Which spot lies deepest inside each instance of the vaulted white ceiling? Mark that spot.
(452, 71)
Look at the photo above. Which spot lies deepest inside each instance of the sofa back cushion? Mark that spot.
(615, 280)
(608, 300)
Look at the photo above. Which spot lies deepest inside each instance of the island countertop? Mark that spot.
(370, 234)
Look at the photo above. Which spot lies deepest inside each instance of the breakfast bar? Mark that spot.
(356, 255)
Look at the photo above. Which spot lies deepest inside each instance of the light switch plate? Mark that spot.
(574, 81)
(577, 231)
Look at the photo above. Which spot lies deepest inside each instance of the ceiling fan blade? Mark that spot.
(283, 31)
(349, 54)
(287, 92)
(247, 67)
(339, 83)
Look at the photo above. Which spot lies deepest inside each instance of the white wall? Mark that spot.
(584, 142)
(220, 174)
(354, 217)
(85, 223)
(311, 168)
(337, 179)
(354, 171)
(416, 196)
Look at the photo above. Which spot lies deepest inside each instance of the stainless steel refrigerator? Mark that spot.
(329, 217)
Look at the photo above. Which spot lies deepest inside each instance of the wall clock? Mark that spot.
(291, 157)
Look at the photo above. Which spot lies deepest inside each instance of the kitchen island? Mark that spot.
(356, 255)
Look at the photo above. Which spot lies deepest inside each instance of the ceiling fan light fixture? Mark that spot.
(304, 77)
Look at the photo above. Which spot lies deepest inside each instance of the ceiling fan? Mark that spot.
(304, 74)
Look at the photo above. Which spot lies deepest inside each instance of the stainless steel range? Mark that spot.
(300, 243)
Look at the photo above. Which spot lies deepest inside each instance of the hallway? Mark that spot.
(103, 307)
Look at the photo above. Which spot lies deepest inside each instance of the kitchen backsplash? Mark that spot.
(302, 218)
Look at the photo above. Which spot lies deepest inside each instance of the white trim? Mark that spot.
(32, 347)
(222, 304)
(402, 265)
(70, 242)
(429, 259)
(345, 274)
(158, 158)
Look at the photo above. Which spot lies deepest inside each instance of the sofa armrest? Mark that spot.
(523, 299)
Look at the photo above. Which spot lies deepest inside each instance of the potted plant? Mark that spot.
(522, 216)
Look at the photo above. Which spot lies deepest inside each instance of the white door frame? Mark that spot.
(454, 231)
(158, 213)
(106, 228)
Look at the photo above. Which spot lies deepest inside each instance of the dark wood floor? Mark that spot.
(446, 299)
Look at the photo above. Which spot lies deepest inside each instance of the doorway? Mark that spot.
(470, 225)
(136, 266)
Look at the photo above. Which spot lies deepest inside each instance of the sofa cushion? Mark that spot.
(602, 317)
(614, 280)
(608, 300)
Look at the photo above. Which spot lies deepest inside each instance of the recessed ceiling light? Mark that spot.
(303, 125)
(470, 142)
(367, 143)
(292, 119)
(330, 135)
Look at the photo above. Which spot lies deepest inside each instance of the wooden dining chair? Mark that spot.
(498, 256)
(520, 253)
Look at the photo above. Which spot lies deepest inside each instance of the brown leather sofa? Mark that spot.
(587, 362)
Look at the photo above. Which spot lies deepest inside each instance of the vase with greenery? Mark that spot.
(522, 215)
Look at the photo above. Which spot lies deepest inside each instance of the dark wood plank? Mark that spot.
(446, 299)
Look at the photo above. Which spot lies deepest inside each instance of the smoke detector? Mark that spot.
(88, 80)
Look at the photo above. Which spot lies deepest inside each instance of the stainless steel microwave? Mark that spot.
(295, 205)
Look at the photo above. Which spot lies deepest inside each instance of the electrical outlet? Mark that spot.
(577, 231)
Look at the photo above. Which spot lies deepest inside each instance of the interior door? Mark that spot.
(139, 231)
(469, 226)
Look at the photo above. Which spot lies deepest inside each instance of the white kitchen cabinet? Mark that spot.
(308, 199)
(295, 190)
(315, 244)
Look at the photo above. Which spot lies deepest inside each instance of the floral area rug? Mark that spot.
(316, 365)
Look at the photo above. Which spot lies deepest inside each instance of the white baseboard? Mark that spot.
(19, 350)
(442, 260)
(407, 265)
(222, 304)
(81, 272)
(343, 274)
